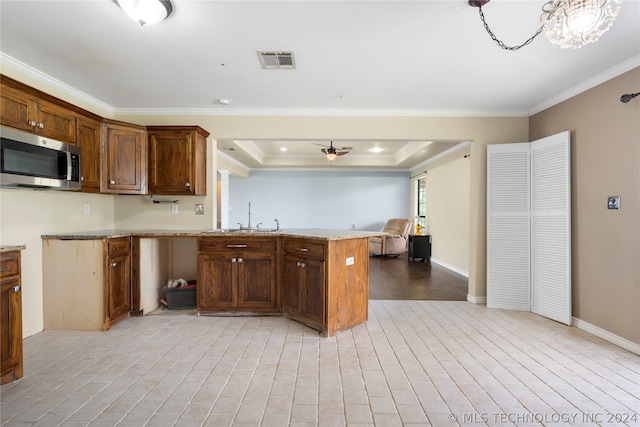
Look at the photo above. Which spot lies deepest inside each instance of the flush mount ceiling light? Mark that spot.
(146, 12)
(567, 23)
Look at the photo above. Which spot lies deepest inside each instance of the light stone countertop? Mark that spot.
(311, 233)
(11, 248)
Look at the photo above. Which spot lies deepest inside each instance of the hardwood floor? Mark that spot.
(397, 279)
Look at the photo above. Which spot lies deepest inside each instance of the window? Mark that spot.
(421, 202)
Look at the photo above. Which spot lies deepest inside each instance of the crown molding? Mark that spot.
(10, 62)
(309, 112)
(21, 67)
(609, 74)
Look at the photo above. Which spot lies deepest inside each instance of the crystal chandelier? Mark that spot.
(567, 23)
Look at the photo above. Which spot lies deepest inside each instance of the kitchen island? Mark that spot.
(315, 276)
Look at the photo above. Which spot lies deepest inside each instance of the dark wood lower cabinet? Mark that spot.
(304, 284)
(10, 317)
(237, 275)
(321, 283)
(325, 283)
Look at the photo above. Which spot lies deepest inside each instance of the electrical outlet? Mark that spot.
(86, 209)
(350, 260)
(174, 208)
(613, 203)
(199, 209)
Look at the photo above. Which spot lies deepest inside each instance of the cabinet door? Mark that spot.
(88, 139)
(10, 323)
(314, 291)
(124, 161)
(171, 169)
(119, 286)
(55, 122)
(17, 110)
(216, 286)
(10, 317)
(292, 286)
(256, 280)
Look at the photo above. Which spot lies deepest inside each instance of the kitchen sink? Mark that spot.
(242, 230)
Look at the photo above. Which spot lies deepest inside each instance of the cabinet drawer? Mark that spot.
(304, 247)
(241, 244)
(118, 247)
(9, 265)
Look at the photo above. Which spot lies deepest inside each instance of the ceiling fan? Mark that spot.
(333, 152)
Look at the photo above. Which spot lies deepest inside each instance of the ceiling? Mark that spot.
(359, 58)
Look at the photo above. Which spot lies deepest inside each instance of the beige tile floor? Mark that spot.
(414, 363)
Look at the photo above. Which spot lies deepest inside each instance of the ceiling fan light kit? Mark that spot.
(567, 23)
(333, 152)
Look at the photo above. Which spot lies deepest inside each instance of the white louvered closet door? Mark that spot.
(551, 227)
(529, 227)
(508, 233)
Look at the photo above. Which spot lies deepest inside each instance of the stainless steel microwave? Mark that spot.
(32, 161)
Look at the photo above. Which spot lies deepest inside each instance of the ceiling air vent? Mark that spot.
(277, 60)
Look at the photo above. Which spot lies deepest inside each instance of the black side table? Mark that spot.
(420, 247)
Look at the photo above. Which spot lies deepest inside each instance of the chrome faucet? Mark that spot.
(277, 224)
(249, 224)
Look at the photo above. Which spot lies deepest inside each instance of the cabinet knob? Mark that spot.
(187, 184)
(239, 259)
(81, 178)
(233, 260)
(41, 125)
(31, 123)
(111, 181)
(15, 288)
(113, 264)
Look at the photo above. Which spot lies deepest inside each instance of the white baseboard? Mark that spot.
(450, 267)
(607, 336)
(476, 300)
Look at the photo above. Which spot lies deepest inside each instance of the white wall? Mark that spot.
(319, 199)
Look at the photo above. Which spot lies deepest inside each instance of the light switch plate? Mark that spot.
(199, 209)
(174, 208)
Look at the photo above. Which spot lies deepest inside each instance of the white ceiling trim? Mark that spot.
(11, 62)
(332, 170)
(410, 149)
(628, 65)
(441, 155)
(252, 150)
(226, 162)
(319, 112)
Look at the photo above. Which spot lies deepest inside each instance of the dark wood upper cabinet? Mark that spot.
(177, 160)
(27, 112)
(88, 139)
(124, 158)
